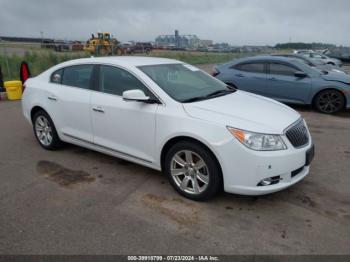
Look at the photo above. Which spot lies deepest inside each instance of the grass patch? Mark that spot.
(40, 60)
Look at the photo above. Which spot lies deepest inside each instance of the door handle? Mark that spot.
(273, 79)
(98, 109)
(52, 98)
(239, 75)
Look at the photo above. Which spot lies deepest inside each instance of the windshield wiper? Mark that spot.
(194, 99)
(220, 93)
(211, 95)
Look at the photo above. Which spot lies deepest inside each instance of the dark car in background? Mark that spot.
(289, 81)
(142, 47)
(137, 48)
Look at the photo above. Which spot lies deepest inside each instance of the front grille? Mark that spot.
(298, 134)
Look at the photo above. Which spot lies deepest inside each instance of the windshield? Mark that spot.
(185, 83)
(304, 61)
(318, 62)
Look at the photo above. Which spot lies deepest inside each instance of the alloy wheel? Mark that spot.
(189, 172)
(43, 130)
(330, 102)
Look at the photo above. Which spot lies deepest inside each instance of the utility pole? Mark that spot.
(42, 38)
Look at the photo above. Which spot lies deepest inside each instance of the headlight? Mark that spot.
(258, 142)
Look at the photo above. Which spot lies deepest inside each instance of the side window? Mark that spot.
(281, 69)
(115, 81)
(78, 76)
(56, 77)
(251, 67)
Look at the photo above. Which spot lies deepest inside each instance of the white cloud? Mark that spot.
(234, 21)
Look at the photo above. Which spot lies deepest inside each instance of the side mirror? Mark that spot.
(300, 74)
(135, 95)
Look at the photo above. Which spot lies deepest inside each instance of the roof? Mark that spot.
(265, 57)
(128, 61)
(259, 58)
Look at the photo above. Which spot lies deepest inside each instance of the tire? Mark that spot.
(202, 179)
(118, 51)
(101, 50)
(329, 101)
(42, 124)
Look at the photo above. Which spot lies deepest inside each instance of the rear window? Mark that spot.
(77, 76)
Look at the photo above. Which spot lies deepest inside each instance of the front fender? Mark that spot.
(341, 87)
(209, 134)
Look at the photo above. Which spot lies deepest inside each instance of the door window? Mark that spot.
(77, 76)
(281, 69)
(115, 81)
(56, 76)
(251, 67)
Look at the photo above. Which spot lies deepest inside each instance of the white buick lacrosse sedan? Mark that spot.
(170, 116)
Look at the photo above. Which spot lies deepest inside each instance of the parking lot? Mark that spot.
(76, 201)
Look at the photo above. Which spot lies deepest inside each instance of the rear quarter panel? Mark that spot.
(35, 94)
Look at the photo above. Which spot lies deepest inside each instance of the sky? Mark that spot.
(238, 22)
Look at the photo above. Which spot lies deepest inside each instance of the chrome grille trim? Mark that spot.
(298, 134)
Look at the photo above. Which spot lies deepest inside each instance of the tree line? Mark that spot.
(304, 46)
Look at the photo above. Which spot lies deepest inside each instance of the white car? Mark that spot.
(171, 116)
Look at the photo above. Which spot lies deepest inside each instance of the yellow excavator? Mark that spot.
(103, 45)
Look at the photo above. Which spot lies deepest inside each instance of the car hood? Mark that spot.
(245, 111)
(339, 77)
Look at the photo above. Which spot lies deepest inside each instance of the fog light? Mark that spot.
(270, 181)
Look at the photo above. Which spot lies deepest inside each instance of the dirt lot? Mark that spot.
(76, 201)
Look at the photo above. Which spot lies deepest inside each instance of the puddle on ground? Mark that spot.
(63, 176)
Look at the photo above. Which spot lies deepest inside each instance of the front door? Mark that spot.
(283, 85)
(127, 128)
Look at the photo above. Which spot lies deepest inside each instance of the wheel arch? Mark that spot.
(36, 109)
(328, 88)
(177, 139)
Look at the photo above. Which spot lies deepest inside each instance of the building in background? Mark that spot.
(177, 41)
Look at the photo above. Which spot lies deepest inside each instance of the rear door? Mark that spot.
(125, 127)
(250, 76)
(70, 96)
(283, 85)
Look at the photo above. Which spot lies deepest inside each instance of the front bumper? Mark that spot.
(243, 169)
